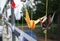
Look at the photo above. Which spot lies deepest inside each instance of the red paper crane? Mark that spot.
(13, 5)
(47, 23)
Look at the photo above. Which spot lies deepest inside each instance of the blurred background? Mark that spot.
(53, 6)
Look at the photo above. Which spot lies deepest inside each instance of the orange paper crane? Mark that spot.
(31, 23)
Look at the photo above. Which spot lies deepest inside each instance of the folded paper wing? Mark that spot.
(27, 18)
(52, 17)
(41, 20)
(31, 23)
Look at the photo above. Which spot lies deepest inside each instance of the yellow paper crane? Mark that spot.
(32, 23)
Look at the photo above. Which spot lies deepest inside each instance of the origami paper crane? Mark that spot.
(32, 23)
